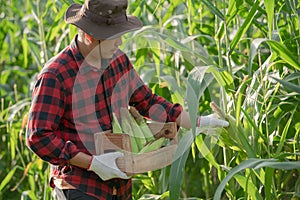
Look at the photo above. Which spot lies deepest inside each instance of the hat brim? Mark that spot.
(97, 31)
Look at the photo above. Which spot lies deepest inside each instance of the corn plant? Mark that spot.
(251, 64)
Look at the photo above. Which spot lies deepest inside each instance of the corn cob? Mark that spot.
(139, 136)
(135, 125)
(142, 124)
(153, 145)
(137, 133)
(127, 129)
(116, 127)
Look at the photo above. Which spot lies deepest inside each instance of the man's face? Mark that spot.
(108, 47)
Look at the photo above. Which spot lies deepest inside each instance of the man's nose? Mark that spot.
(118, 41)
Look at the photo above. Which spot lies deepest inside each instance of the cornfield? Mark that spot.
(243, 55)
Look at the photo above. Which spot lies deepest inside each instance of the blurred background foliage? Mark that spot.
(241, 54)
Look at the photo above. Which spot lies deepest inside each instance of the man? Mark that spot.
(75, 95)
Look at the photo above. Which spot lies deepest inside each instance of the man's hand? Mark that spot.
(211, 121)
(105, 166)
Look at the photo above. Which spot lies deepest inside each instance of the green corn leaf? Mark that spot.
(268, 182)
(288, 85)
(284, 135)
(233, 7)
(240, 96)
(116, 127)
(270, 5)
(7, 178)
(248, 186)
(253, 50)
(279, 165)
(242, 30)
(235, 131)
(197, 82)
(178, 165)
(284, 53)
(206, 153)
(253, 125)
(254, 163)
(214, 9)
(221, 32)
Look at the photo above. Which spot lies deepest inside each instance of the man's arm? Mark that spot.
(183, 120)
(45, 113)
(212, 121)
(81, 160)
(103, 165)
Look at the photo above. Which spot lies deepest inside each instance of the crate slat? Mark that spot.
(140, 163)
(143, 162)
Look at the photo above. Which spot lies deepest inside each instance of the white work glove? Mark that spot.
(105, 166)
(211, 121)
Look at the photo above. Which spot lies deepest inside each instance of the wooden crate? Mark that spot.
(133, 163)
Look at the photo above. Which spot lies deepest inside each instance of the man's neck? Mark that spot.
(82, 47)
(85, 51)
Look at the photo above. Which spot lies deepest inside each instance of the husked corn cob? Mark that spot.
(116, 127)
(142, 124)
(153, 145)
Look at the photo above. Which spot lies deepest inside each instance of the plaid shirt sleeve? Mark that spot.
(48, 100)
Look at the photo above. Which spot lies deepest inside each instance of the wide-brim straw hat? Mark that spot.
(102, 19)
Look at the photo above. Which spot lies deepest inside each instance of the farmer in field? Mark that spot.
(75, 95)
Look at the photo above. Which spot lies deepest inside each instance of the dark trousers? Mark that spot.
(73, 195)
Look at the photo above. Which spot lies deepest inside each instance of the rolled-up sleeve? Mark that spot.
(47, 109)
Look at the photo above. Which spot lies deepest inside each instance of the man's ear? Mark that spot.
(88, 37)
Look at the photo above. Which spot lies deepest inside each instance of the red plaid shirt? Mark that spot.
(72, 100)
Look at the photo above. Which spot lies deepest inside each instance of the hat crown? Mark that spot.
(102, 19)
(107, 8)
